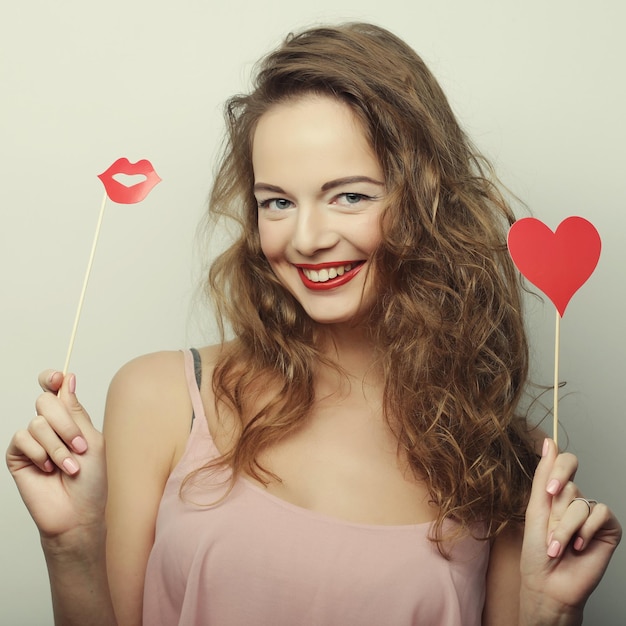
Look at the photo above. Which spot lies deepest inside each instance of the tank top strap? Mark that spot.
(193, 374)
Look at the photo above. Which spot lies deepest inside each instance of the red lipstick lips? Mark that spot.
(331, 283)
(135, 193)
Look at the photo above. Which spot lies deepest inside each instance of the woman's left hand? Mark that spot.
(567, 546)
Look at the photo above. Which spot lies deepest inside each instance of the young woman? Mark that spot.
(353, 454)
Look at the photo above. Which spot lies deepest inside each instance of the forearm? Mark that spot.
(79, 584)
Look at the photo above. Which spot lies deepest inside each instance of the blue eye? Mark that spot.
(277, 204)
(351, 198)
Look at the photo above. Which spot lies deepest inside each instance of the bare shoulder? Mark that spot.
(149, 376)
(148, 401)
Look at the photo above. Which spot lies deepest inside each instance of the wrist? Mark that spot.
(536, 610)
(82, 544)
(78, 577)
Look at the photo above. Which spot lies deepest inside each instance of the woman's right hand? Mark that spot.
(59, 465)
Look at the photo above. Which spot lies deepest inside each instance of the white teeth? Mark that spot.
(327, 273)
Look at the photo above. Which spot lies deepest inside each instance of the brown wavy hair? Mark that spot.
(447, 322)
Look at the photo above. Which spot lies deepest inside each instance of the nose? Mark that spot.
(313, 231)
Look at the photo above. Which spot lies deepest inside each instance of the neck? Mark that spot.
(352, 349)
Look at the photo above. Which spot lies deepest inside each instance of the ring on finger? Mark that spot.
(587, 502)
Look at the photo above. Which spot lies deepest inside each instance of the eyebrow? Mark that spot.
(331, 184)
(350, 180)
(266, 187)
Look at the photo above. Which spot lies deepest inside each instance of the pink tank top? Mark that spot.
(257, 560)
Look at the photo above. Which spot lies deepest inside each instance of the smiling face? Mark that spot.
(320, 191)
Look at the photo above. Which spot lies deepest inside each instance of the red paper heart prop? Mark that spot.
(558, 263)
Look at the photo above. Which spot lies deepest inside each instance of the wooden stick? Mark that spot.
(84, 290)
(555, 410)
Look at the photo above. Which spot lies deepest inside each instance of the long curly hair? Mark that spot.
(448, 319)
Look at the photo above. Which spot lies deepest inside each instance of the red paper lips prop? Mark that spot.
(135, 193)
(559, 262)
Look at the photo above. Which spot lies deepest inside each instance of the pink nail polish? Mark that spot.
(70, 466)
(579, 543)
(48, 465)
(79, 444)
(72, 384)
(553, 487)
(546, 447)
(553, 549)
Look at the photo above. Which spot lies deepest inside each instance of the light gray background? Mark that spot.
(539, 85)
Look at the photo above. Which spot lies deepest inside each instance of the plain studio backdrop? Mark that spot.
(538, 85)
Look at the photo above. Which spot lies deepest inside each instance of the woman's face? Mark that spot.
(320, 191)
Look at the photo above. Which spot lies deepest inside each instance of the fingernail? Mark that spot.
(546, 447)
(79, 444)
(553, 549)
(553, 487)
(579, 543)
(70, 466)
(51, 376)
(72, 384)
(48, 465)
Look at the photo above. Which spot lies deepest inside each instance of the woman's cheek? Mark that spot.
(273, 240)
